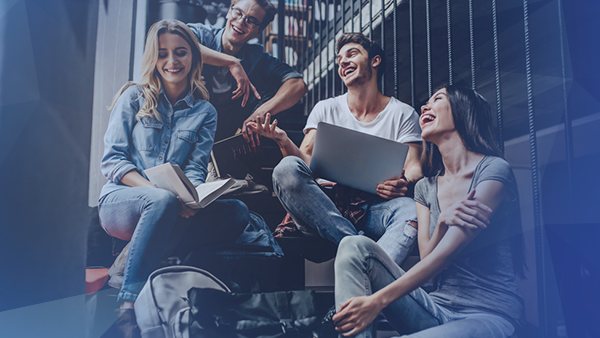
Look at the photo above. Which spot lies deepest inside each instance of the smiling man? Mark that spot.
(278, 86)
(389, 217)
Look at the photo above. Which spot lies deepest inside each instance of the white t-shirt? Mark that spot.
(397, 121)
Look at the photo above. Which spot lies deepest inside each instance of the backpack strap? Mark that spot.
(285, 317)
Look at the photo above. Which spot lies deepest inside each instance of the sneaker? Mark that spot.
(247, 186)
(237, 186)
(250, 187)
(211, 174)
(117, 270)
(253, 187)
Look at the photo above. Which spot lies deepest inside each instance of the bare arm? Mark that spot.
(423, 235)
(290, 92)
(489, 193)
(466, 213)
(287, 147)
(412, 165)
(244, 87)
(359, 312)
(307, 145)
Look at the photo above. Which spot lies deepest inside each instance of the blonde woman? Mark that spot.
(164, 118)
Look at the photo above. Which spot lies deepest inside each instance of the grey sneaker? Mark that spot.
(211, 175)
(249, 188)
(117, 270)
(237, 186)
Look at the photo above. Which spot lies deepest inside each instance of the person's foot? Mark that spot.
(247, 186)
(117, 270)
(211, 174)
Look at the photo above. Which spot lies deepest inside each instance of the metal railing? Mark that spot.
(444, 41)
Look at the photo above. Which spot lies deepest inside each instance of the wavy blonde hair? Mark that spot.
(150, 82)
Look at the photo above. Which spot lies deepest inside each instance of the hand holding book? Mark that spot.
(170, 177)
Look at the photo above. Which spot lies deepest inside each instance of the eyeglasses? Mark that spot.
(248, 21)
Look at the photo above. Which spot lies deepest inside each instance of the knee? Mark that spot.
(352, 248)
(356, 243)
(405, 208)
(163, 200)
(237, 211)
(285, 173)
(403, 203)
(413, 224)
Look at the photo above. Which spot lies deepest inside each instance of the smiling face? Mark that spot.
(355, 67)
(238, 31)
(436, 116)
(174, 59)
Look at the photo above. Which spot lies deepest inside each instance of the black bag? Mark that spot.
(218, 314)
(252, 266)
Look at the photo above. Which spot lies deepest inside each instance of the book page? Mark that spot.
(186, 181)
(206, 189)
(208, 192)
(164, 177)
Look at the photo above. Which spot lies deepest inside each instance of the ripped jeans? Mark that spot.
(362, 268)
(312, 211)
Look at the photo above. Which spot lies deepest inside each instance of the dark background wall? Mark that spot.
(47, 59)
(47, 53)
(571, 217)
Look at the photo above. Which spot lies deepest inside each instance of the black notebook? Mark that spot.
(234, 157)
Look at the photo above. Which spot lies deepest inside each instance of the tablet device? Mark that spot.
(355, 159)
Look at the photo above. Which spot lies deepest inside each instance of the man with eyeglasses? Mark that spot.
(275, 85)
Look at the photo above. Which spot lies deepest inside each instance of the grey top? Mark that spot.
(482, 277)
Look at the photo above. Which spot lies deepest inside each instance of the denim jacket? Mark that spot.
(265, 72)
(184, 136)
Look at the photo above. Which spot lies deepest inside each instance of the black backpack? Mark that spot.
(282, 314)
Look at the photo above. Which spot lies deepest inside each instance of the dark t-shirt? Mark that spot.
(482, 277)
(265, 72)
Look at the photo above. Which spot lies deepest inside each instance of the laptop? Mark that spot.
(355, 159)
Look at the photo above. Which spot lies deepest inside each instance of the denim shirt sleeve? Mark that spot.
(116, 161)
(195, 165)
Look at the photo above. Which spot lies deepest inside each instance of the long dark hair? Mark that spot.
(473, 121)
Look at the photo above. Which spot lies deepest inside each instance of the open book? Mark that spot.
(170, 177)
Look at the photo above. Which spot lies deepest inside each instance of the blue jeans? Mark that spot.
(313, 211)
(149, 218)
(362, 268)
